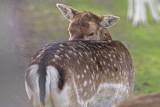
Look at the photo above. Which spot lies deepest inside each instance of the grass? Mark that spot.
(142, 42)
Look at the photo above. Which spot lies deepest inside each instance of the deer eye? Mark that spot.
(91, 34)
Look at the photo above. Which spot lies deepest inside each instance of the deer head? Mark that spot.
(86, 25)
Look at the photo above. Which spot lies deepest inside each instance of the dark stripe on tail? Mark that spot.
(42, 76)
(42, 81)
(61, 80)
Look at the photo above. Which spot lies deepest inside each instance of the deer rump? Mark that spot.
(58, 72)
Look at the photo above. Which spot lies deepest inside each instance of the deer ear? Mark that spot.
(67, 11)
(107, 21)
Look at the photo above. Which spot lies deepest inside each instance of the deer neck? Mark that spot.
(104, 34)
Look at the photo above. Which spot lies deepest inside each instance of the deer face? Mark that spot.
(86, 25)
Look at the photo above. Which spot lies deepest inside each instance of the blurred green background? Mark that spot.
(28, 25)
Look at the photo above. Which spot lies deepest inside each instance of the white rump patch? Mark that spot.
(32, 85)
(59, 97)
(52, 76)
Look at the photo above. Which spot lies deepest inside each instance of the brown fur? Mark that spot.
(85, 23)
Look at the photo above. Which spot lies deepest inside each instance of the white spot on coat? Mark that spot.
(78, 62)
(57, 56)
(87, 67)
(85, 94)
(67, 56)
(82, 75)
(85, 84)
(85, 71)
(61, 45)
(90, 81)
(78, 76)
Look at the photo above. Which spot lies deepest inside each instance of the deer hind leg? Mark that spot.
(143, 12)
(139, 13)
(158, 5)
(136, 13)
(130, 9)
(154, 11)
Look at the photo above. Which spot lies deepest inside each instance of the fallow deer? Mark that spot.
(93, 72)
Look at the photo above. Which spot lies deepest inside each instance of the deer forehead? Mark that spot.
(88, 16)
(76, 27)
(86, 20)
(92, 26)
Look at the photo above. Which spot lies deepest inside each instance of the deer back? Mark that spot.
(89, 67)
